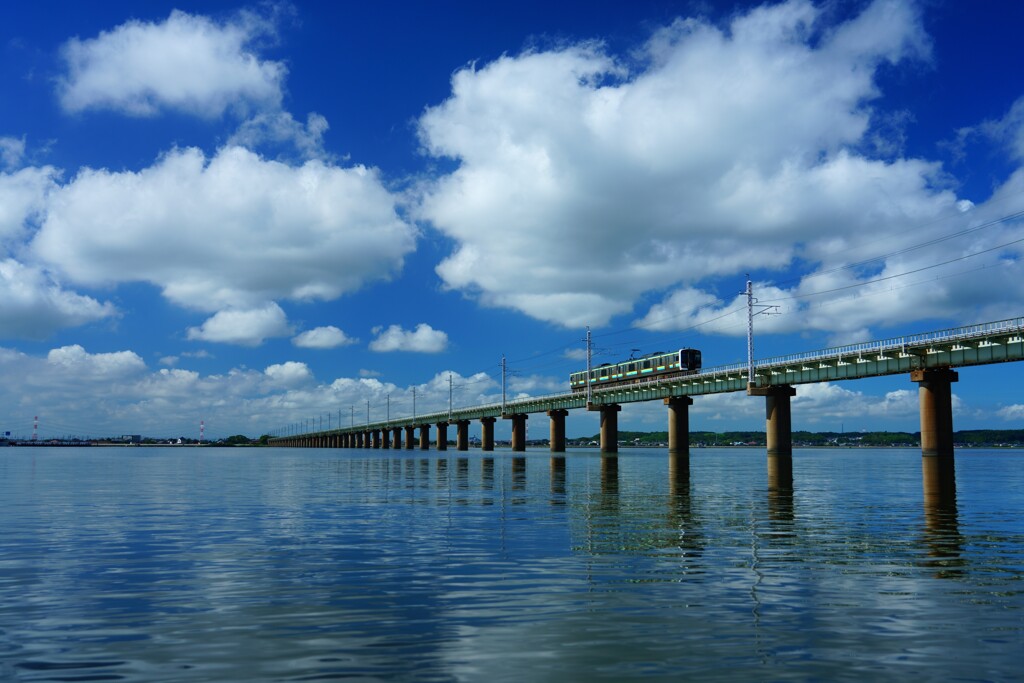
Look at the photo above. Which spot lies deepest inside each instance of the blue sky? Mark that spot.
(261, 215)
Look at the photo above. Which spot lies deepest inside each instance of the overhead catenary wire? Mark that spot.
(913, 271)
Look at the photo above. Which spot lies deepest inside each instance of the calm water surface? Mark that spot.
(295, 565)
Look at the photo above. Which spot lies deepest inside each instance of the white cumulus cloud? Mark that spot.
(235, 230)
(289, 374)
(75, 360)
(248, 327)
(23, 201)
(34, 306)
(585, 180)
(424, 339)
(188, 63)
(1013, 412)
(329, 337)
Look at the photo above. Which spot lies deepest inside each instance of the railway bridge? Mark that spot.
(930, 359)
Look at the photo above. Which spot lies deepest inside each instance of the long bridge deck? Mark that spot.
(929, 357)
(982, 344)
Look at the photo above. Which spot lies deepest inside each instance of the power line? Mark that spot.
(903, 274)
(920, 245)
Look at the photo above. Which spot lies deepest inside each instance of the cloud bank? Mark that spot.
(587, 181)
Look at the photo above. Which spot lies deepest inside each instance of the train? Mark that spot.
(654, 365)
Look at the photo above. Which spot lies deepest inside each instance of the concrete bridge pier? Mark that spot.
(376, 437)
(518, 431)
(778, 432)
(397, 441)
(935, 399)
(442, 436)
(424, 437)
(558, 429)
(410, 437)
(385, 438)
(936, 404)
(679, 424)
(609, 426)
(462, 435)
(487, 433)
(779, 421)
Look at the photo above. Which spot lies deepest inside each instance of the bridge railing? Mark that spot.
(953, 334)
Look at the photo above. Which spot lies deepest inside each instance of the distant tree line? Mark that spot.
(966, 438)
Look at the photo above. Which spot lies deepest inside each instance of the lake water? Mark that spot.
(163, 564)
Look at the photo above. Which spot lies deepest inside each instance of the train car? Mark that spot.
(658, 364)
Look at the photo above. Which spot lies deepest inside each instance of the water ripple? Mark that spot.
(277, 565)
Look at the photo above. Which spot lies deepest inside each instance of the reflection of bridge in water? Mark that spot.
(605, 498)
(929, 359)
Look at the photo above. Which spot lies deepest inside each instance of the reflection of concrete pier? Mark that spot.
(487, 473)
(518, 473)
(941, 524)
(610, 475)
(558, 478)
